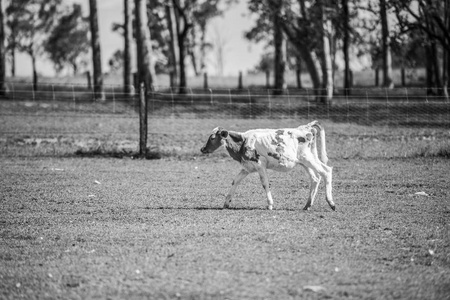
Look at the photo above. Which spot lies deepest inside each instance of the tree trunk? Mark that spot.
(74, 68)
(35, 76)
(194, 62)
(13, 60)
(192, 53)
(386, 47)
(280, 50)
(180, 15)
(203, 48)
(298, 72)
(429, 70)
(436, 67)
(96, 52)
(128, 35)
(173, 60)
(307, 55)
(327, 65)
(146, 70)
(182, 55)
(2, 53)
(446, 67)
(346, 46)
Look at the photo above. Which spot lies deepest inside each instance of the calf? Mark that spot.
(276, 149)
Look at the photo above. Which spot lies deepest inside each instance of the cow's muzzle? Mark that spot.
(204, 151)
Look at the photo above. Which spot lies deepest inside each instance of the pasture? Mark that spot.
(78, 228)
(77, 222)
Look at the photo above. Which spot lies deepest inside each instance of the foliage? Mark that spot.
(68, 42)
(30, 22)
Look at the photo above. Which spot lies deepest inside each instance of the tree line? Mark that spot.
(309, 35)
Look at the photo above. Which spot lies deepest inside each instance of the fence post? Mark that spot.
(307, 101)
(367, 111)
(388, 116)
(205, 80)
(53, 97)
(88, 76)
(114, 100)
(33, 92)
(289, 103)
(407, 106)
(73, 98)
(240, 86)
(173, 101)
(231, 103)
(142, 121)
(249, 102)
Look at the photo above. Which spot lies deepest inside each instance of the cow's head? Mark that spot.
(215, 140)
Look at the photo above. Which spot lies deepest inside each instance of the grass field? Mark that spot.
(78, 228)
(76, 223)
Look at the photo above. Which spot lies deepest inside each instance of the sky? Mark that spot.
(240, 54)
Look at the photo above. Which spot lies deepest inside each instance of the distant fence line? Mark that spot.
(382, 106)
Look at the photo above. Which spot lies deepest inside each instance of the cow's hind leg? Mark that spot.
(324, 171)
(242, 174)
(265, 183)
(314, 187)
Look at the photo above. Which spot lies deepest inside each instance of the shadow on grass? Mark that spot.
(117, 154)
(217, 208)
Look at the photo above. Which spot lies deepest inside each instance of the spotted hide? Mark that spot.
(277, 149)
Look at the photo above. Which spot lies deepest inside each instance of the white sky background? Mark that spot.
(240, 55)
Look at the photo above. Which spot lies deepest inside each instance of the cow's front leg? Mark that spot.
(265, 183)
(234, 185)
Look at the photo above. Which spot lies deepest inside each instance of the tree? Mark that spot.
(269, 28)
(33, 20)
(128, 35)
(145, 61)
(386, 46)
(173, 44)
(202, 15)
(68, 42)
(327, 61)
(279, 47)
(2, 51)
(96, 52)
(303, 28)
(346, 45)
(432, 20)
(116, 62)
(183, 24)
(266, 65)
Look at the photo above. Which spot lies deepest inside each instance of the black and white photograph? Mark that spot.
(224, 149)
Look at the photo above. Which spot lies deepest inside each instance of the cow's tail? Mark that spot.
(320, 133)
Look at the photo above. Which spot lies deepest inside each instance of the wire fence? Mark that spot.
(366, 106)
(64, 119)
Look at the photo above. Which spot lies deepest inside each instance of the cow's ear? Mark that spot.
(223, 134)
(236, 136)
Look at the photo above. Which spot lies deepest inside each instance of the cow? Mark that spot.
(276, 149)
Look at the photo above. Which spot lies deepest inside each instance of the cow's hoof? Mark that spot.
(226, 206)
(269, 207)
(333, 207)
(307, 207)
